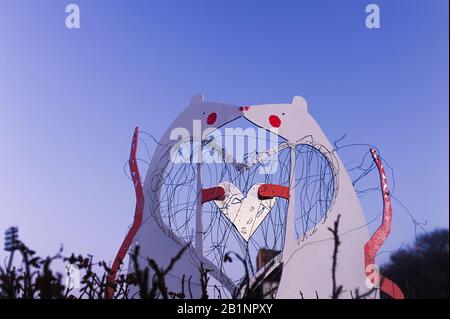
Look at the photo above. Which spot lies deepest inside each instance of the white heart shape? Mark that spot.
(246, 213)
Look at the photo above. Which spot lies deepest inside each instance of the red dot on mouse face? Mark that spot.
(274, 121)
(211, 119)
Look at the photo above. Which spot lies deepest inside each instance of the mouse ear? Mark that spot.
(199, 98)
(298, 101)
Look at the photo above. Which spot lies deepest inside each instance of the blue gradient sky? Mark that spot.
(70, 99)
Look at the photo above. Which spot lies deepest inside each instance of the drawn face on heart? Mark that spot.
(246, 213)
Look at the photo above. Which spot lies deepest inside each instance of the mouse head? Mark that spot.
(210, 114)
(290, 121)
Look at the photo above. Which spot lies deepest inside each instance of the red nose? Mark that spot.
(244, 108)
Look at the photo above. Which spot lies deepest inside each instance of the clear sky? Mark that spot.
(70, 99)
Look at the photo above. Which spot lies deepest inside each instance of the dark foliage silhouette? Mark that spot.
(422, 270)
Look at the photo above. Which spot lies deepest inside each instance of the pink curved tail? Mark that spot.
(136, 177)
(378, 238)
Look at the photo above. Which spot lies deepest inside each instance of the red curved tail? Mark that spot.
(376, 241)
(136, 177)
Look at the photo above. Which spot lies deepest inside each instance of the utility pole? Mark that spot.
(11, 243)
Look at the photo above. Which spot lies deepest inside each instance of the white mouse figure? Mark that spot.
(155, 239)
(307, 261)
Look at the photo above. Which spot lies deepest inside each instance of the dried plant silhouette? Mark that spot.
(34, 279)
(422, 271)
